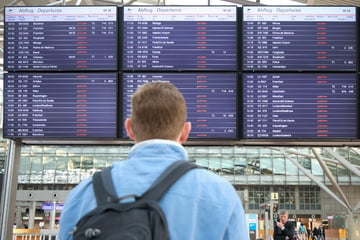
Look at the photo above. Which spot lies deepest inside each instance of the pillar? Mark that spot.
(32, 211)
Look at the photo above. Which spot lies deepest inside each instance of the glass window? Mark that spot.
(316, 168)
(291, 168)
(266, 163)
(279, 163)
(286, 196)
(258, 195)
(214, 155)
(309, 198)
(240, 165)
(253, 164)
(36, 162)
(200, 156)
(25, 165)
(354, 156)
(87, 162)
(49, 162)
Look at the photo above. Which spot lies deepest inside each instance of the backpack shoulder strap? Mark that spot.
(103, 186)
(167, 179)
(105, 191)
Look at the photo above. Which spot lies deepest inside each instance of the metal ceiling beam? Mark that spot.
(131, 2)
(116, 2)
(356, 208)
(344, 162)
(319, 183)
(14, 2)
(311, 156)
(244, 2)
(89, 2)
(330, 177)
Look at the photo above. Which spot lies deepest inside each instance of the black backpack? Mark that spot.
(139, 219)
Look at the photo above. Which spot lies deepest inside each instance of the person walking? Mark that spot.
(303, 232)
(317, 233)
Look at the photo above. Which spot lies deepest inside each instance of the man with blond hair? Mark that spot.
(199, 206)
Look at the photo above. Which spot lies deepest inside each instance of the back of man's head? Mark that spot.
(158, 111)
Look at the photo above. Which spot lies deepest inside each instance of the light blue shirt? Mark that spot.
(199, 206)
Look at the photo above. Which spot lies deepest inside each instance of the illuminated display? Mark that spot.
(180, 38)
(210, 98)
(299, 68)
(299, 38)
(60, 105)
(321, 106)
(60, 38)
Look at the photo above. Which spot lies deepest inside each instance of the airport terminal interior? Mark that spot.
(317, 181)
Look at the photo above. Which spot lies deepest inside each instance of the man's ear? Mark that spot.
(185, 132)
(129, 130)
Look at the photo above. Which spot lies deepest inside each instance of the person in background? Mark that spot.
(317, 233)
(309, 233)
(283, 229)
(323, 232)
(303, 232)
(199, 206)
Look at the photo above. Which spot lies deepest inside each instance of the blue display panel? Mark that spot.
(297, 106)
(60, 38)
(56, 105)
(210, 97)
(299, 38)
(180, 38)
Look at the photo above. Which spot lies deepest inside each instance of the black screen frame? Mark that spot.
(239, 140)
(64, 74)
(59, 51)
(356, 36)
(121, 48)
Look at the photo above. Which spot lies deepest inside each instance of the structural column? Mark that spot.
(32, 211)
(352, 226)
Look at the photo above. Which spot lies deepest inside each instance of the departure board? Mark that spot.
(210, 97)
(40, 105)
(296, 106)
(60, 38)
(180, 38)
(299, 38)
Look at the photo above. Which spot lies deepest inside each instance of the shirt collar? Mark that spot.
(156, 141)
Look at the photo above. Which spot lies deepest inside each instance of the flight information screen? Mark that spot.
(321, 106)
(60, 38)
(38, 105)
(299, 38)
(180, 38)
(210, 97)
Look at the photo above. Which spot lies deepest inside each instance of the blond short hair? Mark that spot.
(158, 111)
